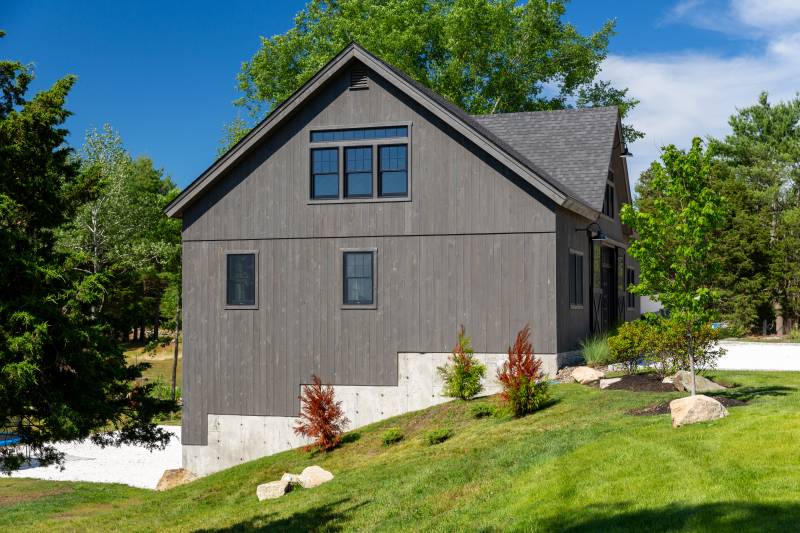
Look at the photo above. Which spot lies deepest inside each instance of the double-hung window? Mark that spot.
(360, 164)
(358, 272)
(575, 279)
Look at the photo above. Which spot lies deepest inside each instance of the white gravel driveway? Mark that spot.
(759, 356)
(131, 465)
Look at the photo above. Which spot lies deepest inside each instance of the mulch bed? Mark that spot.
(642, 383)
(663, 407)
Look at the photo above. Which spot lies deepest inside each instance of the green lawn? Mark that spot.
(582, 464)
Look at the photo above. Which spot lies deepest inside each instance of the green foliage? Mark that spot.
(595, 350)
(62, 374)
(484, 56)
(483, 410)
(463, 373)
(391, 436)
(437, 436)
(794, 334)
(633, 341)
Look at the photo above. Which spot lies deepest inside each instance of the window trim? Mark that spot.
(375, 144)
(374, 252)
(629, 296)
(225, 280)
(378, 171)
(582, 305)
(311, 174)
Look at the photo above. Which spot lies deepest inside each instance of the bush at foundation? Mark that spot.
(321, 416)
(524, 384)
(463, 372)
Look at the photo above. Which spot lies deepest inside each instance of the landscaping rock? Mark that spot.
(693, 409)
(314, 476)
(668, 380)
(174, 477)
(604, 383)
(682, 381)
(291, 478)
(586, 375)
(272, 490)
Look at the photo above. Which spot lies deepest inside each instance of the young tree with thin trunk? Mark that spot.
(675, 236)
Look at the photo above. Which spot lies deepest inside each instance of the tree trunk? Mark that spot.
(778, 308)
(177, 342)
(156, 324)
(691, 362)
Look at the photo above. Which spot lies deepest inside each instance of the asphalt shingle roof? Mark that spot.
(573, 146)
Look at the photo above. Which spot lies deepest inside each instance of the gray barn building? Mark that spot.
(351, 232)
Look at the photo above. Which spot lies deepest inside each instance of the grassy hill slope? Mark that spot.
(582, 464)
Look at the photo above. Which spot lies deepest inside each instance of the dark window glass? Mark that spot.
(575, 279)
(358, 278)
(393, 170)
(325, 173)
(354, 134)
(608, 203)
(358, 172)
(631, 280)
(241, 279)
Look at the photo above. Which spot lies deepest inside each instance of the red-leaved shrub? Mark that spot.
(524, 384)
(321, 416)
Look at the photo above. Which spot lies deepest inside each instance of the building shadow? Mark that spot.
(330, 517)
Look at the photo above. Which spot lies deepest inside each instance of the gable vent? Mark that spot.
(358, 79)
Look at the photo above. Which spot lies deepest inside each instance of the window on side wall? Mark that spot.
(358, 277)
(630, 279)
(608, 202)
(241, 280)
(575, 279)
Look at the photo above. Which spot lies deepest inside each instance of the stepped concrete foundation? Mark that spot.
(234, 439)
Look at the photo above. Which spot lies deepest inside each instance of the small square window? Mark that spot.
(325, 173)
(575, 279)
(393, 170)
(241, 284)
(358, 172)
(359, 278)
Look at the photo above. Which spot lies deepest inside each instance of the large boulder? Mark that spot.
(682, 381)
(586, 375)
(273, 489)
(605, 383)
(314, 476)
(693, 409)
(173, 478)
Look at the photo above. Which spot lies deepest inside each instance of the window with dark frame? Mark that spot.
(629, 281)
(393, 170)
(325, 173)
(375, 163)
(358, 269)
(575, 279)
(358, 172)
(608, 202)
(241, 279)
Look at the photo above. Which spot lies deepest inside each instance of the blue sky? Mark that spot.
(163, 73)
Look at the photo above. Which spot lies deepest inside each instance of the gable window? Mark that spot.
(241, 280)
(630, 279)
(325, 173)
(393, 179)
(575, 279)
(608, 202)
(358, 172)
(358, 269)
(360, 164)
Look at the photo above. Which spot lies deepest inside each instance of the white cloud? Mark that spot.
(693, 94)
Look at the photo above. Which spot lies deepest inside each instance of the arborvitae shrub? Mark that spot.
(321, 416)
(437, 436)
(524, 385)
(391, 436)
(463, 372)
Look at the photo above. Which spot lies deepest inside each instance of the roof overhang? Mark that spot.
(354, 52)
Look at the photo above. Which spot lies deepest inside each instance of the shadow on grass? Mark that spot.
(328, 517)
(746, 394)
(353, 436)
(738, 517)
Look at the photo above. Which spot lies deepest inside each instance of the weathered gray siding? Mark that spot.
(573, 324)
(474, 246)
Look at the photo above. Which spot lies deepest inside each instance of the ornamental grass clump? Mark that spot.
(321, 416)
(463, 373)
(524, 384)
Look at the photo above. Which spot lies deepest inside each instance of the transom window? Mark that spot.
(241, 279)
(359, 278)
(360, 164)
(575, 279)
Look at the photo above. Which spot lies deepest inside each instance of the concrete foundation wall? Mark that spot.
(234, 439)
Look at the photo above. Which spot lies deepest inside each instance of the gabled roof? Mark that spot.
(476, 129)
(572, 145)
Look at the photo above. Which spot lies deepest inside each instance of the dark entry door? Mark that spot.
(608, 276)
